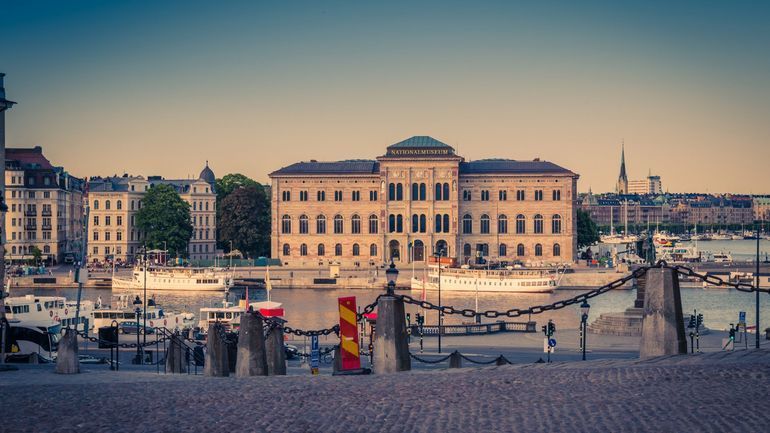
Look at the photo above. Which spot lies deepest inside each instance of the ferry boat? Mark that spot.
(678, 254)
(125, 312)
(508, 280)
(170, 278)
(54, 308)
(721, 257)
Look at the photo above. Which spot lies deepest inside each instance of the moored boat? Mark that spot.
(508, 280)
(172, 278)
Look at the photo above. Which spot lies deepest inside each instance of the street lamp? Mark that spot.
(584, 308)
(391, 275)
(138, 311)
(438, 254)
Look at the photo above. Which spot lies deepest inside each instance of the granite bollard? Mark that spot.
(252, 358)
(276, 355)
(217, 361)
(67, 361)
(175, 355)
(662, 325)
(391, 351)
(455, 360)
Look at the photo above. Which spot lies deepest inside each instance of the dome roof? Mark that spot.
(208, 175)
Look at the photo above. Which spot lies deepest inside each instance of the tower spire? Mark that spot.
(622, 186)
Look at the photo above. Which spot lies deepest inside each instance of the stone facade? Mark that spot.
(45, 208)
(420, 198)
(114, 202)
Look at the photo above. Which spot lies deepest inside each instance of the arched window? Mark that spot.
(320, 225)
(445, 192)
(521, 225)
(338, 249)
(391, 223)
(556, 250)
(423, 192)
(502, 224)
(391, 191)
(538, 223)
(399, 223)
(415, 192)
(556, 224)
(96, 204)
(423, 222)
(484, 224)
(446, 223)
(13, 249)
(467, 224)
(538, 250)
(286, 224)
(467, 250)
(119, 204)
(374, 224)
(356, 250)
(303, 250)
(503, 250)
(286, 250)
(321, 250)
(303, 224)
(437, 223)
(399, 191)
(437, 193)
(106, 205)
(415, 223)
(520, 250)
(355, 224)
(338, 224)
(373, 250)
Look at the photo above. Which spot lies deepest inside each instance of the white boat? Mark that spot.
(32, 308)
(721, 237)
(722, 257)
(509, 280)
(124, 311)
(170, 278)
(678, 254)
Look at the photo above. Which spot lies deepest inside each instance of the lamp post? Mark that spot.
(438, 255)
(144, 304)
(584, 308)
(756, 285)
(391, 275)
(231, 254)
(138, 311)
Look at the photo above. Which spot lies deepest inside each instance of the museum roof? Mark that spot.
(505, 166)
(353, 166)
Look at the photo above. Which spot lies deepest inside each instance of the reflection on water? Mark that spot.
(317, 308)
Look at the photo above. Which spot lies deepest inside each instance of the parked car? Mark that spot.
(133, 328)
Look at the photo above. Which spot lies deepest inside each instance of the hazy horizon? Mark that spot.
(159, 88)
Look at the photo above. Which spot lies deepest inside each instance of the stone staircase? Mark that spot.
(627, 323)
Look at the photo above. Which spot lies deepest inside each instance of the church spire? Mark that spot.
(622, 186)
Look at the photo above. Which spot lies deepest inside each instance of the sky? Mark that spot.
(160, 87)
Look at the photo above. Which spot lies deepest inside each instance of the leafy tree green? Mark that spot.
(230, 182)
(37, 255)
(245, 220)
(165, 217)
(588, 232)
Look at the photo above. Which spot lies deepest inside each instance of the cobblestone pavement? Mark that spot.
(703, 393)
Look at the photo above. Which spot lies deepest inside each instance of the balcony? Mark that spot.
(30, 212)
(46, 213)
(30, 227)
(47, 227)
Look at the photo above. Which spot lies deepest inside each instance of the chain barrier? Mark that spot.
(429, 361)
(473, 361)
(324, 352)
(85, 336)
(713, 279)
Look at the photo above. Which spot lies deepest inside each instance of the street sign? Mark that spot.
(315, 354)
(552, 342)
(547, 346)
(742, 317)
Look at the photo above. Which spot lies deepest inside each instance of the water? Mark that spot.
(317, 308)
(744, 250)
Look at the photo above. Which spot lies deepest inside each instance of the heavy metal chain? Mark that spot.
(324, 352)
(123, 345)
(714, 280)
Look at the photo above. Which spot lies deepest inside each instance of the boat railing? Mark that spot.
(473, 329)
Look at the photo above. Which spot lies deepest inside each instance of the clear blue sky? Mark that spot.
(158, 87)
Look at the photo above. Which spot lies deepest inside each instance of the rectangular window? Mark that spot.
(337, 195)
(502, 195)
(539, 195)
(373, 195)
(286, 195)
(484, 195)
(356, 195)
(107, 220)
(520, 195)
(466, 195)
(556, 195)
(303, 196)
(321, 196)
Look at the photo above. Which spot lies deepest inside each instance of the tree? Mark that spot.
(230, 182)
(245, 220)
(165, 217)
(37, 255)
(587, 231)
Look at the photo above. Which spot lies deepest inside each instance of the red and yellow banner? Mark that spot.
(349, 334)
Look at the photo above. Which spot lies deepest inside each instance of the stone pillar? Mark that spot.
(276, 355)
(217, 362)
(501, 360)
(251, 359)
(175, 355)
(67, 361)
(391, 352)
(455, 361)
(662, 325)
(337, 359)
(641, 284)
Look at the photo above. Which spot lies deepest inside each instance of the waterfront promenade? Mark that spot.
(705, 393)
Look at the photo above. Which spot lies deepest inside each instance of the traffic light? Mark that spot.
(699, 321)
(692, 321)
(408, 318)
(551, 328)
(545, 330)
(732, 332)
